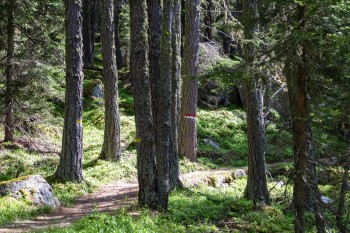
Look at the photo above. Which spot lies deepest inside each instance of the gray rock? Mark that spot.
(326, 200)
(239, 173)
(280, 184)
(212, 143)
(34, 188)
(97, 91)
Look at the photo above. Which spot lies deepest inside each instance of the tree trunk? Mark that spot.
(208, 20)
(93, 26)
(143, 104)
(111, 144)
(70, 168)
(154, 20)
(256, 188)
(188, 118)
(175, 95)
(342, 226)
(9, 100)
(118, 52)
(87, 43)
(163, 132)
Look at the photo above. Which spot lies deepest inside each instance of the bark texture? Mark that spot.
(118, 5)
(70, 167)
(87, 42)
(9, 99)
(154, 20)
(256, 188)
(163, 132)
(111, 149)
(188, 127)
(175, 94)
(143, 104)
(208, 20)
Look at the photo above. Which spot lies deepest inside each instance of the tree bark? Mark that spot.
(9, 99)
(163, 131)
(256, 188)
(208, 20)
(70, 167)
(93, 25)
(143, 104)
(188, 127)
(87, 43)
(118, 52)
(175, 95)
(154, 20)
(111, 144)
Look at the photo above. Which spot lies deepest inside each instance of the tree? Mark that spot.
(9, 100)
(70, 165)
(256, 188)
(208, 20)
(88, 43)
(118, 5)
(143, 104)
(111, 149)
(154, 31)
(188, 118)
(175, 94)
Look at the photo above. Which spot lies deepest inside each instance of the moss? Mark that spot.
(7, 182)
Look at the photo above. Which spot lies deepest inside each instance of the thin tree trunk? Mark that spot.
(188, 118)
(111, 144)
(87, 44)
(175, 95)
(70, 167)
(163, 131)
(342, 226)
(208, 20)
(93, 26)
(256, 188)
(154, 20)
(9, 99)
(118, 52)
(143, 104)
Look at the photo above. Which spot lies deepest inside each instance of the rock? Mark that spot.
(239, 173)
(34, 188)
(280, 184)
(332, 161)
(326, 200)
(97, 91)
(211, 142)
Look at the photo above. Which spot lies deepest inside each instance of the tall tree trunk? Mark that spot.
(341, 224)
(70, 167)
(175, 95)
(154, 20)
(93, 25)
(188, 127)
(9, 99)
(163, 132)
(118, 5)
(87, 43)
(296, 82)
(143, 104)
(256, 188)
(111, 143)
(208, 20)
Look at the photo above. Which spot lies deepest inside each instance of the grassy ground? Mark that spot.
(202, 209)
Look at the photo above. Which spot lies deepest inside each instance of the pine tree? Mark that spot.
(70, 165)
(111, 144)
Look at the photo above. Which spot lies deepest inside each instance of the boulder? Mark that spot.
(97, 91)
(239, 173)
(34, 188)
(212, 143)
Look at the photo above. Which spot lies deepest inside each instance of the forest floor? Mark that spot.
(107, 199)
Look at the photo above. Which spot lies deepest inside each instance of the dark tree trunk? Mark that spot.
(226, 44)
(208, 20)
(188, 118)
(296, 81)
(69, 168)
(93, 25)
(163, 132)
(118, 52)
(143, 104)
(9, 99)
(111, 144)
(154, 20)
(341, 224)
(87, 43)
(256, 188)
(175, 95)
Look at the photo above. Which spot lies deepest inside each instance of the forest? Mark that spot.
(176, 116)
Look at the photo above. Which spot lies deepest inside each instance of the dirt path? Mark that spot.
(106, 199)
